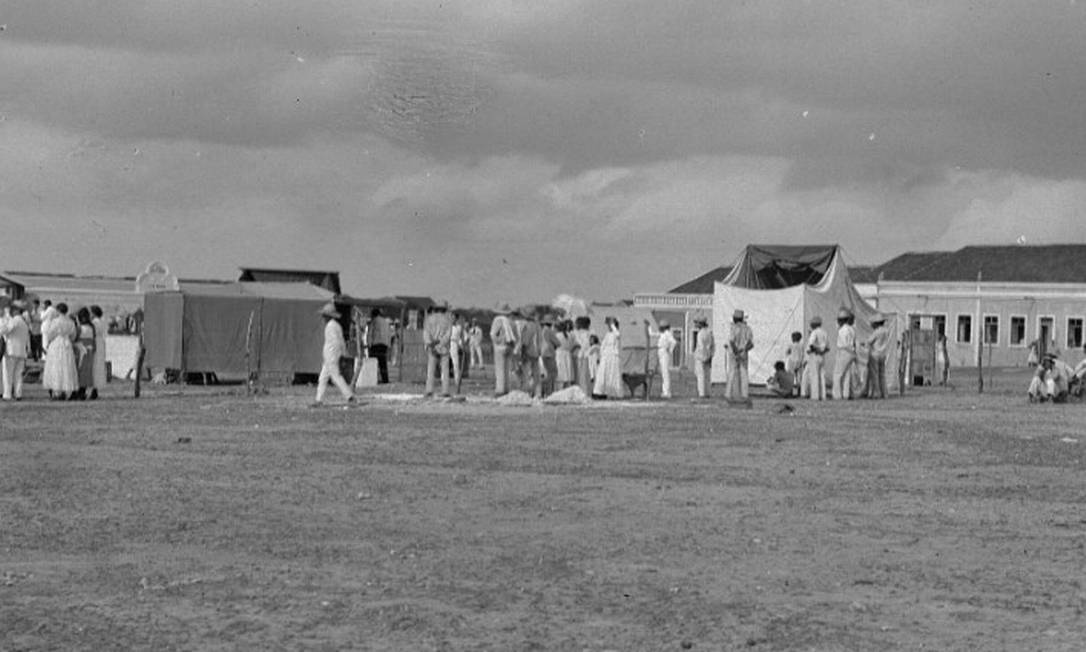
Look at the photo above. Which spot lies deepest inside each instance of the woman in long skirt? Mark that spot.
(59, 375)
(100, 378)
(84, 353)
(563, 355)
(609, 374)
(581, 345)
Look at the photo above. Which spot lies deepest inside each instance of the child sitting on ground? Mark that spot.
(782, 382)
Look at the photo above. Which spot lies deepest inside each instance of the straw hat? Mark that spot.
(329, 310)
(664, 324)
(738, 315)
(879, 318)
(816, 321)
(504, 309)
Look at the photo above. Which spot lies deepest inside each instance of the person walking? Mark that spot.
(335, 346)
(814, 378)
(665, 347)
(703, 355)
(15, 329)
(503, 337)
(740, 342)
(436, 338)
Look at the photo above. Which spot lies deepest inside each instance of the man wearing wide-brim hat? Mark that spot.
(844, 361)
(15, 329)
(740, 342)
(878, 348)
(814, 377)
(704, 348)
(335, 347)
(503, 337)
(665, 346)
(436, 337)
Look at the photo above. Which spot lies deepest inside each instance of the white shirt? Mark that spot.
(334, 345)
(818, 340)
(846, 338)
(666, 344)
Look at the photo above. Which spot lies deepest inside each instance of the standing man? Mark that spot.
(503, 338)
(878, 345)
(379, 338)
(528, 351)
(334, 348)
(35, 330)
(818, 345)
(703, 355)
(740, 342)
(845, 360)
(436, 335)
(665, 346)
(16, 333)
(548, 352)
(475, 344)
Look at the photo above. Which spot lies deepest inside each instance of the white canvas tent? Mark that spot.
(779, 289)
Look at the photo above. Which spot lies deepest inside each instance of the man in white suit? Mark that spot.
(15, 330)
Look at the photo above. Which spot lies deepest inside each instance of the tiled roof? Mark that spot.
(702, 284)
(1008, 264)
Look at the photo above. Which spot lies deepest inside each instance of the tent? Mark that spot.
(779, 289)
(233, 329)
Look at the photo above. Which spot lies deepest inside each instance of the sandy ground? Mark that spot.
(207, 519)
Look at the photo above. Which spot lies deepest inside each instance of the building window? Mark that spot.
(991, 329)
(965, 328)
(1018, 331)
(1074, 332)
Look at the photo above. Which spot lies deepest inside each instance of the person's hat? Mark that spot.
(701, 321)
(19, 304)
(1051, 356)
(664, 324)
(548, 319)
(738, 314)
(816, 321)
(878, 318)
(329, 310)
(441, 307)
(844, 313)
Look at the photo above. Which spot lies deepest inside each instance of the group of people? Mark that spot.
(803, 373)
(1055, 381)
(545, 354)
(74, 350)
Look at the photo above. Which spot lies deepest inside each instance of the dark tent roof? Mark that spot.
(704, 283)
(769, 267)
(329, 280)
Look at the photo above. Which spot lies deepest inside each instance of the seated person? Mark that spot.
(1051, 380)
(781, 383)
(1077, 384)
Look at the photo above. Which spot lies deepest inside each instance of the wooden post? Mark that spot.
(249, 353)
(980, 343)
(139, 368)
(648, 352)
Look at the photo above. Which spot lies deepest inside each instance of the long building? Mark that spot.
(990, 302)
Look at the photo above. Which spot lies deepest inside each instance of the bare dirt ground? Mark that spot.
(207, 519)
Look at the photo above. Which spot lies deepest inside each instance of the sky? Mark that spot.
(495, 151)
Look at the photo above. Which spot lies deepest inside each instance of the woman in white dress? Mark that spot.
(59, 374)
(609, 374)
(563, 357)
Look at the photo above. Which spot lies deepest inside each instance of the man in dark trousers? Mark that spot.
(379, 338)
